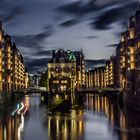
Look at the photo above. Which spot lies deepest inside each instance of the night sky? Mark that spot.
(38, 26)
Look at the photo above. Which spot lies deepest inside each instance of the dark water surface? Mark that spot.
(99, 118)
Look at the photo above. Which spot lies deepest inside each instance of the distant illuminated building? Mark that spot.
(80, 68)
(110, 72)
(96, 78)
(89, 79)
(34, 80)
(26, 79)
(102, 77)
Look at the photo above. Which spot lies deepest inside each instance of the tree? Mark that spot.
(43, 81)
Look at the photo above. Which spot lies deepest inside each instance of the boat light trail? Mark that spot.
(25, 110)
(16, 110)
(22, 107)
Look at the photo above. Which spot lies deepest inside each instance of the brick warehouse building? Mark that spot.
(65, 71)
(13, 75)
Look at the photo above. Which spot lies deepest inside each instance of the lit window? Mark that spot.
(55, 81)
(64, 81)
(56, 69)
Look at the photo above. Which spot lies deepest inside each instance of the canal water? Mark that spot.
(97, 118)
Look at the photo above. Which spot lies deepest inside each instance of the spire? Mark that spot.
(81, 50)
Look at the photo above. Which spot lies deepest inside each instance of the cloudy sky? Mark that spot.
(38, 26)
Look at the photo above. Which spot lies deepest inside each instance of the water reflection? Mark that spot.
(68, 126)
(100, 118)
(8, 127)
(21, 127)
(12, 121)
(122, 122)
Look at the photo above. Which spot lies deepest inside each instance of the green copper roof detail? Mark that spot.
(72, 57)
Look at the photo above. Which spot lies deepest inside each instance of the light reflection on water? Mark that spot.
(21, 127)
(99, 118)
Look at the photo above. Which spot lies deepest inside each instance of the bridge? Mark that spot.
(100, 90)
(63, 101)
(29, 91)
(115, 93)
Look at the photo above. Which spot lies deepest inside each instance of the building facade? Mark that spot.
(62, 72)
(13, 75)
(80, 69)
(128, 61)
(123, 70)
(102, 77)
(110, 69)
(89, 78)
(66, 71)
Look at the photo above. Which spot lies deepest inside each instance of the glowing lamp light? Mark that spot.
(57, 96)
